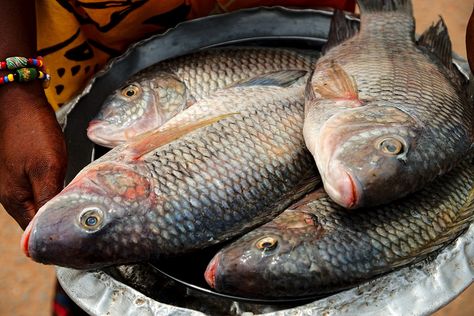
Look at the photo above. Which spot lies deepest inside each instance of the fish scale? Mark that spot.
(203, 187)
(343, 249)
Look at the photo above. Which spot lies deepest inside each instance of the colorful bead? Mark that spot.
(16, 62)
(21, 62)
(27, 74)
(42, 65)
(46, 80)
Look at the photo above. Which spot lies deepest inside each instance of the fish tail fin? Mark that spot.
(367, 6)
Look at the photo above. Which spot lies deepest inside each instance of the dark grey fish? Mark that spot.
(385, 115)
(317, 247)
(234, 163)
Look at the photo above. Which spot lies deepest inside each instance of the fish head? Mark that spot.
(94, 222)
(265, 261)
(141, 105)
(365, 155)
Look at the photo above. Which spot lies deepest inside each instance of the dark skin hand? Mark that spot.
(470, 41)
(32, 146)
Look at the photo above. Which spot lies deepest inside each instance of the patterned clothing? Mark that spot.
(77, 37)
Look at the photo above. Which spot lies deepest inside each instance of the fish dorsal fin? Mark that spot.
(341, 29)
(385, 5)
(283, 78)
(152, 140)
(337, 84)
(436, 40)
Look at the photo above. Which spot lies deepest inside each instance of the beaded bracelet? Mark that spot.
(25, 75)
(21, 62)
(22, 72)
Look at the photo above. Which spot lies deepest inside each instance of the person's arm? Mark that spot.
(32, 146)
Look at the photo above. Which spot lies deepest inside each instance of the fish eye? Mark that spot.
(390, 146)
(266, 243)
(91, 218)
(130, 91)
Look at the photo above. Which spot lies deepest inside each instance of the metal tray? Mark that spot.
(410, 290)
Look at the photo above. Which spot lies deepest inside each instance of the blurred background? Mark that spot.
(26, 288)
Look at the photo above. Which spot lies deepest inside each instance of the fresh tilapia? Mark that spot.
(153, 96)
(385, 115)
(319, 247)
(183, 187)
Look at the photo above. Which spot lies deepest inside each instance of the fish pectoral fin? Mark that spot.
(283, 78)
(436, 40)
(341, 29)
(337, 85)
(152, 140)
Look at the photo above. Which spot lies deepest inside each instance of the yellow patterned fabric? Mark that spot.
(77, 38)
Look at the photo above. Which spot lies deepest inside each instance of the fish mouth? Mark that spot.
(25, 238)
(104, 134)
(343, 187)
(210, 274)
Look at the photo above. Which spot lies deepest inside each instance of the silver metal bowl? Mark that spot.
(150, 290)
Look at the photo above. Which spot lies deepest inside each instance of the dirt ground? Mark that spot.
(26, 288)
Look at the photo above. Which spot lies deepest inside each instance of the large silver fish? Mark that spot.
(153, 96)
(223, 166)
(318, 247)
(385, 115)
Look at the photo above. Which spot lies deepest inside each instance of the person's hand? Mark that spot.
(32, 151)
(470, 41)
